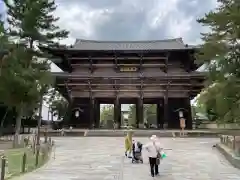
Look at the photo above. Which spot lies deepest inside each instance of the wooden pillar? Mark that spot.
(166, 96)
(160, 113)
(68, 116)
(166, 63)
(139, 112)
(141, 63)
(166, 109)
(116, 63)
(92, 113)
(91, 65)
(189, 118)
(97, 114)
(117, 112)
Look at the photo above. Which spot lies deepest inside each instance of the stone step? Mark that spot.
(137, 133)
(148, 133)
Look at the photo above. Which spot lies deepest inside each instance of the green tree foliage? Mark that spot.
(149, 113)
(26, 78)
(57, 104)
(33, 22)
(221, 52)
(107, 113)
(132, 115)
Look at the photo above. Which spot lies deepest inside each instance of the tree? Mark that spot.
(221, 52)
(59, 107)
(31, 23)
(107, 113)
(107, 116)
(19, 86)
(149, 113)
(132, 115)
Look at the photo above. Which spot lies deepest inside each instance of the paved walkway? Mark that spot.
(101, 158)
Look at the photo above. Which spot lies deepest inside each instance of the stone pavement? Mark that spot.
(101, 158)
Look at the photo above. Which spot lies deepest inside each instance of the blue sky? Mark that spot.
(132, 19)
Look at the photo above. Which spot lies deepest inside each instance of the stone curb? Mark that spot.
(228, 154)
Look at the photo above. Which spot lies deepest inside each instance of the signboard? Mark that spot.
(128, 69)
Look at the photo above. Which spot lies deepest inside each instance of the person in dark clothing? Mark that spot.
(153, 148)
(153, 166)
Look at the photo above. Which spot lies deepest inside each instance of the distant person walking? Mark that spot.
(153, 148)
(182, 126)
(182, 122)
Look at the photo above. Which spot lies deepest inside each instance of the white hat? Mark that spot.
(153, 137)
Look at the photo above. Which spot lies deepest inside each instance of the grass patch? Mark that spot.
(15, 160)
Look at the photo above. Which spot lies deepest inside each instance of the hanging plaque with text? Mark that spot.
(128, 69)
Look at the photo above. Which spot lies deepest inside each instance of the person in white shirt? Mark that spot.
(153, 148)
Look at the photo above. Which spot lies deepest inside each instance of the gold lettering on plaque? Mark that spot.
(128, 69)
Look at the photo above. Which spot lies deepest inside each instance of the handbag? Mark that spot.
(158, 156)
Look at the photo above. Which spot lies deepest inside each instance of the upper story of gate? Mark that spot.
(108, 58)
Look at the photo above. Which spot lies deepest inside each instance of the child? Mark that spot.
(128, 143)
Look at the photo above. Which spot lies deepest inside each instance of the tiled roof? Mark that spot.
(168, 44)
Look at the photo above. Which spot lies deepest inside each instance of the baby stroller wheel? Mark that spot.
(133, 161)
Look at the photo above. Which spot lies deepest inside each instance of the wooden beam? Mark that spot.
(123, 76)
(134, 90)
(113, 64)
(121, 58)
(137, 84)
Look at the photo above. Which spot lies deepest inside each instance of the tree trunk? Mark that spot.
(18, 127)
(2, 122)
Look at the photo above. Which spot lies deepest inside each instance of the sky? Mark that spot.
(131, 19)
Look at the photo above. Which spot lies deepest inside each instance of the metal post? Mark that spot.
(3, 166)
(24, 162)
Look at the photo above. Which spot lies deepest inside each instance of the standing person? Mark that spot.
(182, 123)
(153, 148)
(128, 143)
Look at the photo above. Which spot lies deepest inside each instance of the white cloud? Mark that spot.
(160, 11)
(180, 27)
(80, 20)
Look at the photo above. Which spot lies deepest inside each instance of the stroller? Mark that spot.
(137, 152)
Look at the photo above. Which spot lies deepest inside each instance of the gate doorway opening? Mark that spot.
(107, 116)
(150, 116)
(128, 115)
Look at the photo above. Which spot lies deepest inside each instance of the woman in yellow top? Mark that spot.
(128, 143)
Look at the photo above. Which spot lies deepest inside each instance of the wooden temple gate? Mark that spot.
(135, 72)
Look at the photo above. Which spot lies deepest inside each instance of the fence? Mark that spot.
(21, 160)
(232, 142)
